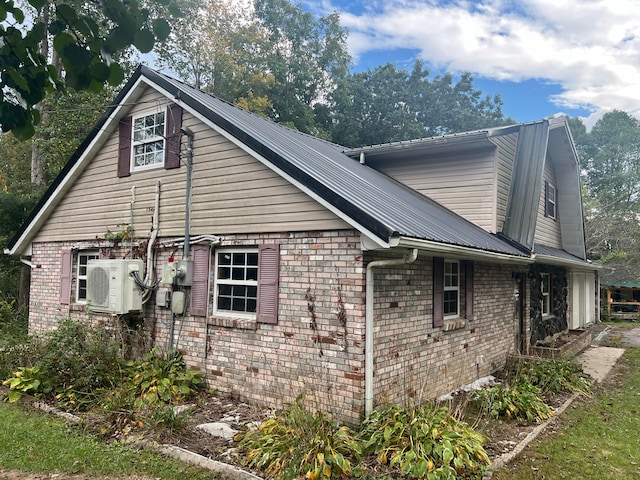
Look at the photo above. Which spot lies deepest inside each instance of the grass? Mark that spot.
(37, 443)
(598, 438)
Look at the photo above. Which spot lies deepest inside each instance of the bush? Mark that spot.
(424, 442)
(297, 444)
(15, 348)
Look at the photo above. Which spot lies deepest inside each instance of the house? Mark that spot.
(279, 263)
(620, 291)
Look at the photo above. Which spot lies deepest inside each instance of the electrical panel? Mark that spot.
(178, 273)
(111, 287)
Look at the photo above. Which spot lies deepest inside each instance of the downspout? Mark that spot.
(408, 258)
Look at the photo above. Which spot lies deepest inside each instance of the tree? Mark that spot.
(307, 58)
(218, 47)
(87, 49)
(390, 104)
(610, 158)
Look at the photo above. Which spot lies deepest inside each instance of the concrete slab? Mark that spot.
(598, 361)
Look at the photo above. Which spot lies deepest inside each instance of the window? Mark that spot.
(81, 274)
(451, 279)
(148, 141)
(236, 282)
(550, 200)
(545, 289)
(451, 288)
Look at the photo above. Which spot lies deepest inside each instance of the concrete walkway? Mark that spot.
(598, 361)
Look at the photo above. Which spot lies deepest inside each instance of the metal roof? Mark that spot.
(368, 198)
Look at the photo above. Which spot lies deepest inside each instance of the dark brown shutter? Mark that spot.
(200, 284)
(174, 125)
(65, 276)
(438, 291)
(124, 147)
(268, 273)
(468, 289)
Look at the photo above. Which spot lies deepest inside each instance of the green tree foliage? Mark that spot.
(218, 47)
(610, 159)
(86, 49)
(389, 104)
(307, 57)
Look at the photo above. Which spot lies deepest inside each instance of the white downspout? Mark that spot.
(409, 257)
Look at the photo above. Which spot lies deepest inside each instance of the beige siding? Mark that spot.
(232, 193)
(465, 183)
(548, 229)
(506, 155)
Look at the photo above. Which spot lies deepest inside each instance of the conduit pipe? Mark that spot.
(187, 213)
(408, 258)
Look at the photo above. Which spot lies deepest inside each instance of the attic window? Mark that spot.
(550, 200)
(148, 141)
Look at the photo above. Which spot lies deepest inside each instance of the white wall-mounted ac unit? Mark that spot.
(111, 288)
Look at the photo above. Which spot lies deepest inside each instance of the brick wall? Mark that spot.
(415, 360)
(317, 346)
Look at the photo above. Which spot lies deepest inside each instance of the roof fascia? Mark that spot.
(367, 232)
(72, 169)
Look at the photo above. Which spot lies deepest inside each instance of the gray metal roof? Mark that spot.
(380, 203)
(383, 206)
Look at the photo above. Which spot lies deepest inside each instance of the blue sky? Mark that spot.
(545, 57)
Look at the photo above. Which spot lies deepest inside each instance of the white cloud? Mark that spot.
(591, 48)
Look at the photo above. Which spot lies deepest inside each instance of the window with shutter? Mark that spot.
(150, 140)
(550, 200)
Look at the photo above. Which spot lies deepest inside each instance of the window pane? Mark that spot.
(224, 273)
(252, 259)
(224, 303)
(238, 273)
(252, 274)
(238, 258)
(451, 302)
(238, 304)
(224, 259)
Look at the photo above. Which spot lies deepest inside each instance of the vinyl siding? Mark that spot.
(232, 192)
(548, 229)
(464, 183)
(506, 155)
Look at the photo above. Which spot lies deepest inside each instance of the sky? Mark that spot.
(544, 57)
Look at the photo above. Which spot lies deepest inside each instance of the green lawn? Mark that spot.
(599, 438)
(37, 443)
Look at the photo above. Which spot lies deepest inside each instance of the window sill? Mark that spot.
(452, 324)
(234, 322)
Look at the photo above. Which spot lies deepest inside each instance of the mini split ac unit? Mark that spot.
(111, 288)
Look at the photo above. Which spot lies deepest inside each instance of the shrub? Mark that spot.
(518, 401)
(424, 441)
(15, 348)
(297, 444)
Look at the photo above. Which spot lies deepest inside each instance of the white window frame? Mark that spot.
(551, 201)
(451, 284)
(545, 290)
(148, 141)
(218, 282)
(81, 272)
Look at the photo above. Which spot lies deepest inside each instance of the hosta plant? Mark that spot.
(552, 376)
(424, 441)
(300, 444)
(518, 401)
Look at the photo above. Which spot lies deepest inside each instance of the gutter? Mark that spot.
(587, 266)
(466, 252)
(409, 257)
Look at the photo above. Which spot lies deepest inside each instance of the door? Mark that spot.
(518, 313)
